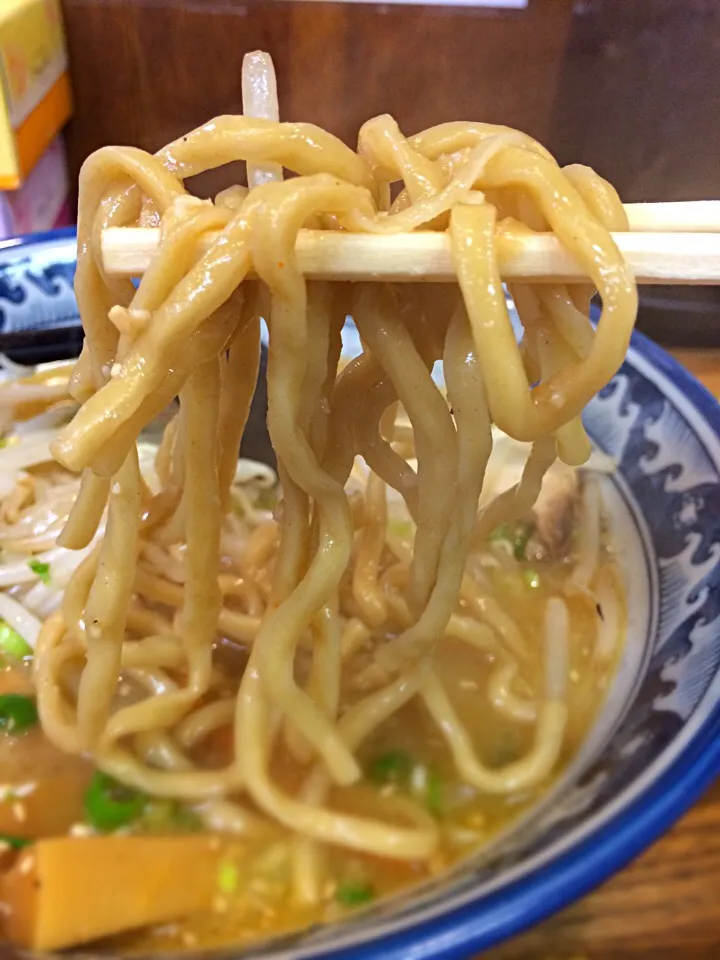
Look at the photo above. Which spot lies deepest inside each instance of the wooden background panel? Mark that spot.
(146, 72)
(631, 86)
(425, 65)
(639, 96)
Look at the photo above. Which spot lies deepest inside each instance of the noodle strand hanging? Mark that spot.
(243, 648)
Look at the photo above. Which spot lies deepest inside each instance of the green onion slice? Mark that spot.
(354, 894)
(41, 569)
(17, 713)
(394, 766)
(12, 643)
(110, 805)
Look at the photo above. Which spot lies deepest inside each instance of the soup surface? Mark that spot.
(187, 872)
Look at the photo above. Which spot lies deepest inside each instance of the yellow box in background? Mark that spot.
(34, 86)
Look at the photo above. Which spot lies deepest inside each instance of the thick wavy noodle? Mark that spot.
(296, 638)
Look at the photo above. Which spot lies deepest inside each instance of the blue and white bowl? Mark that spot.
(36, 277)
(656, 745)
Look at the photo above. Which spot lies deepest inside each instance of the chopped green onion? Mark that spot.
(17, 843)
(434, 793)
(354, 894)
(3, 442)
(161, 815)
(17, 713)
(41, 569)
(228, 878)
(518, 535)
(12, 643)
(503, 532)
(531, 578)
(109, 804)
(523, 532)
(394, 766)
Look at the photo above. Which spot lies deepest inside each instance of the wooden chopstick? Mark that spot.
(677, 242)
(683, 216)
(658, 258)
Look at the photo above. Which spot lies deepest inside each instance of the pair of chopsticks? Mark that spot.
(667, 243)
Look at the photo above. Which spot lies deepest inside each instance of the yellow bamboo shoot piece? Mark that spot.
(71, 890)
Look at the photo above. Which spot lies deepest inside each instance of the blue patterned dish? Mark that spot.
(36, 276)
(656, 744)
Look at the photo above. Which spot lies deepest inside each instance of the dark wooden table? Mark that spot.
(666, 904)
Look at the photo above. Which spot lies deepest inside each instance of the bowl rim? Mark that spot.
(626, 832)
(42, 236)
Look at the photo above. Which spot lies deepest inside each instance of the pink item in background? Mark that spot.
(42, 203)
